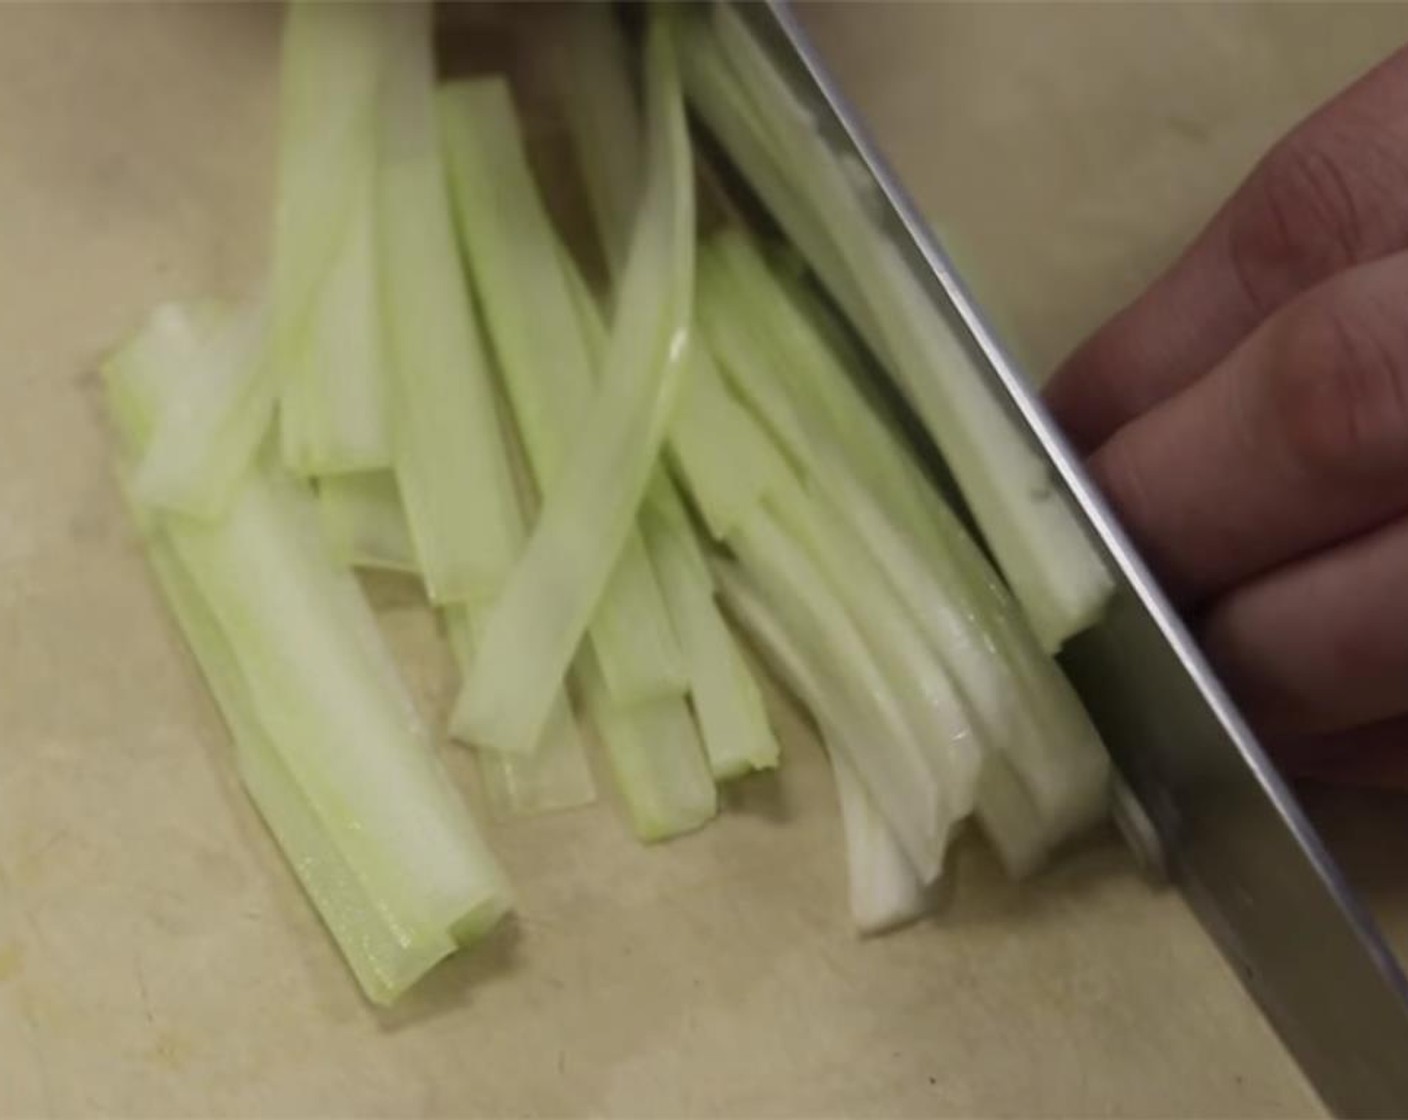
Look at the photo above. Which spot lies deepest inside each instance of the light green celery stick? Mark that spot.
(727, 703)
(331, 69)
(726, 468)
(657, 758)
(361, 798)
(207, 431)
(603, 122)
(1052, 567)
(732, 719)
(212, 430)
(885, 888)
(384, 962)
(556, 776)
(450, 458)
(725, 460)
(535, 627)
(545, 359)
(896, 768)
(1021, 835)
(727, 109)
(1024, 706)
(937, 713)
(334, 416)
(328, 342)
(363, 521)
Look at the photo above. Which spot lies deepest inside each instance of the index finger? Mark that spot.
(1328, 196)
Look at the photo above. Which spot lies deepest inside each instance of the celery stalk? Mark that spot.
(556, 776)
(1023, 706)
(334, 416)
(384, 962)
(658, 760)
(727, 462)
(363, 521)
(603, 123)
(328, 339)
(733, 722)
(450, 458)
(534, 629)
(885, 888)
(1053, 568)
(537, 334)
(207, 431)
(329, 741)
(894, 764)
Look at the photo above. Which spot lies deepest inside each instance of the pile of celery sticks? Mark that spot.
(586, 480)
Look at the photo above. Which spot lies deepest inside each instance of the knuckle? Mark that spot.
(1339, 388)
(1296, 221)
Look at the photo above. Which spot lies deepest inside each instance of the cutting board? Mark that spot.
(156, 957)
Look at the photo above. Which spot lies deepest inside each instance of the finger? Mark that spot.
(1373, 756)
(1297, 440)
(1322, 645)
(1328, 196)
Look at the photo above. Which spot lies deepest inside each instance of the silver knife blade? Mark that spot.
(1237, 842)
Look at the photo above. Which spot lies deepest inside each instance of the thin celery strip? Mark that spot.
(727, 703)
(1053, 568)
(334, 415)
(534, 629)
(363, 521)
(732, 719)
(212, 430)
(712, 446)
(545, 358)
(330, 742)
(208, 430)
(1023, 705)
(554, 777)
(937, 713)
(451, 463)
(727, 462)
(603, 122)
(381, 959)
(894, 764)
(885, 888)
(656, 755)
(328, 341)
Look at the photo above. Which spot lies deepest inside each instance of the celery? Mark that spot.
(450, 458)
(207, 431)
(727, 703)
(334, 416)
(1053, 568)
(545, 358)
(655, 752)
(603, 123)
(328, 741)
(885, 888)
(556, 776)
(328, 341)
(725, 459)
(733, 722)
(363, 521)
(1024, 707)
(894, 764)
(533, 631)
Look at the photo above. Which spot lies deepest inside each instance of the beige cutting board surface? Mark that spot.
(155, 956)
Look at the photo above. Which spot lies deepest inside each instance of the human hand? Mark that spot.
(1247, 417)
